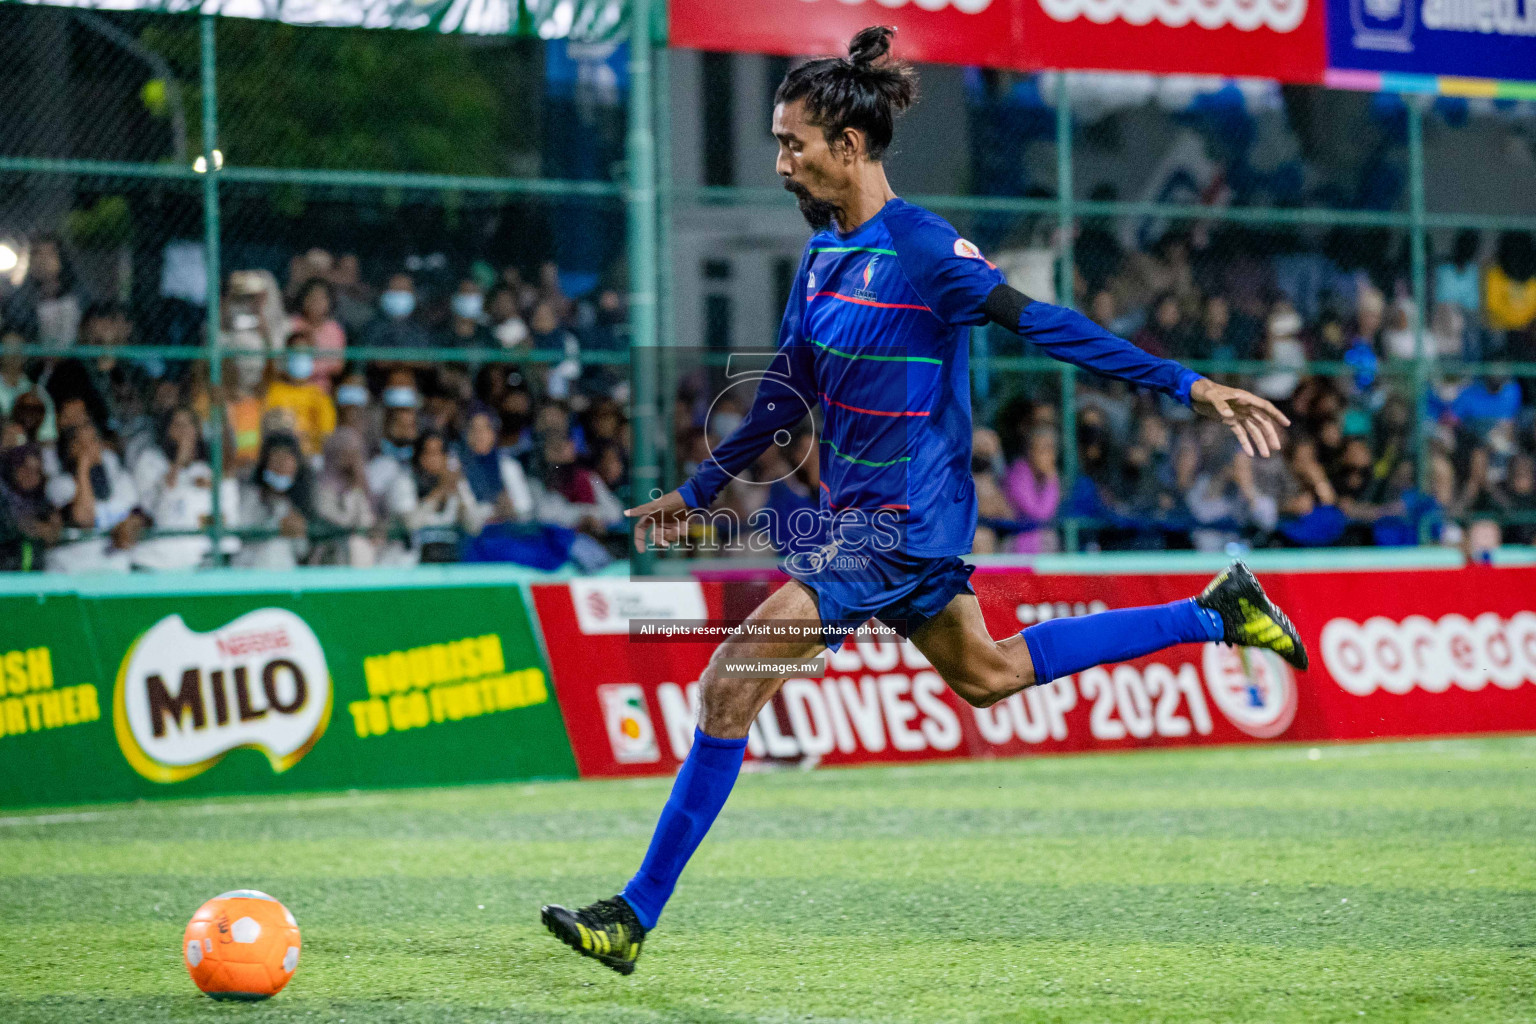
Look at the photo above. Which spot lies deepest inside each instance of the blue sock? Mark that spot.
(1060, 647)
(698, 794)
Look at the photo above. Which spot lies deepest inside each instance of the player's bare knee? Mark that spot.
(985, 685)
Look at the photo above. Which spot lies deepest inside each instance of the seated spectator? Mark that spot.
(434, 503)
(1456, 279)
(46, 306)
(1509, 294)
(1033, 486)
(1285, 352)
(396, 326)
(1516, 496)
(549, 336)
(507, 327)
(466, 321)
(175, 485)
(495, 478)
(354, 404)
(355, 302)
(277, 498)
(253, 321)
(1163, 333)
(987, 469)
(116, 390)
(29, 523)
(397, 447)
(571, 495)
(293, 388)
(1447, 332)
(14, 382)
(1397, 337)
(1226, 504)
(342, 502)
(95, 493)
(313, 321)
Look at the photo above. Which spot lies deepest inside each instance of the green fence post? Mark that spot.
(211, 234)
(1420, 271)
(1066, 279)
(666, 327)
(640, 205)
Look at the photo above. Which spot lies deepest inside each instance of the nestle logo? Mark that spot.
(240, 644)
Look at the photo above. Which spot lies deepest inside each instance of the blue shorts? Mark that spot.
(901, 590)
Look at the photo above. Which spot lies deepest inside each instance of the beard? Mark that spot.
(818, 213)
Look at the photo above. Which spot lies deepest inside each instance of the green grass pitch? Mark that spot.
(1384, 882)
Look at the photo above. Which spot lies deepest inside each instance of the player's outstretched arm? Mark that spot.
(1067, 335)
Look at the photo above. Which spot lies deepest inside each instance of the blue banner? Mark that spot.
(1469, 38)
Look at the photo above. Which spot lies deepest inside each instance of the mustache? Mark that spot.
(818, 213)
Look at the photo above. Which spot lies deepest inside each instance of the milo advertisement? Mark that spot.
(109, 698)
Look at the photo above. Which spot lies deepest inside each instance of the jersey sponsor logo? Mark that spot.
(606, 606)
(1429, 654)
(963, 6)
(967, 249)
(185, 699)
(628, 722)
(1253, 688)
(867, 293)
(1244, 15)
(810, 282)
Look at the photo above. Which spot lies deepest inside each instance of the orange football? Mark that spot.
(241, 945)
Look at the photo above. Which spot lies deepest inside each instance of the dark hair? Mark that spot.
(1464, 248)
(1517, 255)
(300, 296)
(163, 432)
(864, 90)
(300, 493)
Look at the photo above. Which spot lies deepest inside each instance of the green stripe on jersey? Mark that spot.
(863, 462)
(879, 359)
(852, 248)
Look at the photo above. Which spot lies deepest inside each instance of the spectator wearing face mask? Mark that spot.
(175, 487)
(313, 319)
(507, 327)
(354, 404)
(355, 302)
(396, 325)
(495, 478)
(396, 447)
(434, 503)
(253, 321)
(1033, 486)
(466, 321)
(293, 389)
(94, 492)
(29, 523)
(277, 498)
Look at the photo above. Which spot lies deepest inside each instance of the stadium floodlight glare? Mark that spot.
(200, 165)
(9, 256)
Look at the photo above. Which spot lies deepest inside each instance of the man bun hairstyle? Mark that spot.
(864, 90)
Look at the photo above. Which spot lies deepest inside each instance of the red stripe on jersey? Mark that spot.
(870, 302)
(870, 412)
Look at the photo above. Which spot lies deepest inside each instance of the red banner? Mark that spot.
(1281, 39)
(1394, 654)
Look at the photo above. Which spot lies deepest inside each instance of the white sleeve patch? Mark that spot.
(967, 249)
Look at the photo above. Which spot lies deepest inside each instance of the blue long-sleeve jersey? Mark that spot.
(875, 331)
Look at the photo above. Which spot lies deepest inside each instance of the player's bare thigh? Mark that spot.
(729, 703)
(982, 671)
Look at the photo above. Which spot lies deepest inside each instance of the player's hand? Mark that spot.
(663, 517)
(1254, 420)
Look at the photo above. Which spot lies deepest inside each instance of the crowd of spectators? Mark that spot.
(329, 459)
(1330, 340)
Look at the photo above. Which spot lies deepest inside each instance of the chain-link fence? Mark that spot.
(336, 296)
